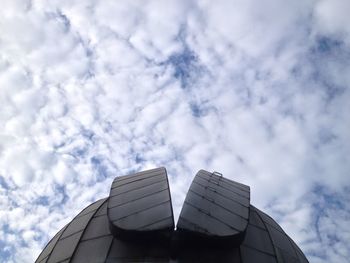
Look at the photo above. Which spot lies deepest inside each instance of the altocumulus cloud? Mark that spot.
(258, 90)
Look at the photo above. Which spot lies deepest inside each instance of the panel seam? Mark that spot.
(268, 232)
(48, 256)
(83, 231)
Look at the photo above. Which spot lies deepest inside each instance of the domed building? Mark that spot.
(135, 223)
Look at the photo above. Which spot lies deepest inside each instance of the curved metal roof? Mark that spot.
(135, 224)
(140, 204)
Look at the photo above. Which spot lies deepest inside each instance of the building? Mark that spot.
(135, 223)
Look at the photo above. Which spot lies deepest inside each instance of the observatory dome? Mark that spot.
(135, 223)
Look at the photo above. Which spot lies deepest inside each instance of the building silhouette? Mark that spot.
(135, 223)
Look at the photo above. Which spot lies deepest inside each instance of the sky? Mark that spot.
(256, 90)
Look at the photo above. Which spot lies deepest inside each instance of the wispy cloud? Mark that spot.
(256, 90)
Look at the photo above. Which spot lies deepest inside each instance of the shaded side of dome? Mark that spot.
(284, 247)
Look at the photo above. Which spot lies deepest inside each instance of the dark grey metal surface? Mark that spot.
(89, 238)
(284, 249)
(141, 203)
(63, 245)
(215, 207)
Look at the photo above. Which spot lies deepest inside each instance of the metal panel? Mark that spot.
(259, 239)
(93, 250)
(92, 208)
(255, 219)
(221, 213)
(198, 221)
(97, 227)
(221, 200)
(49, 247)
(284, 248)
(140, 204)
(122, 250)
(280, 239)
(252, 255)
(102, 210)
(207, 254)
(42, 261)
(68, 241)
(268, 220)
(298, 251)
(208, 209)
(134, 178)
(284, 256)
(118, 212)
(212, 186)
(138, 193)
(142, 182)
(134, 251)
(65, 248)
(215, 178)
(78, 224)
(145, 218)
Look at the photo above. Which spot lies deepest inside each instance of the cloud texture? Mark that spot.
(258, 90)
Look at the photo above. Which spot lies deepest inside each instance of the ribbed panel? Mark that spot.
(215, 207)
(67, 242)
(285, 249)
(140, 204)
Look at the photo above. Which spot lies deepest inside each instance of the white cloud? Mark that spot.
(257, 91)
(331, 17)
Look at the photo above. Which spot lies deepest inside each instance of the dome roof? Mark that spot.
(135, 224)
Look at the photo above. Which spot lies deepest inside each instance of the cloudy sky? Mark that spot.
(257, 90)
